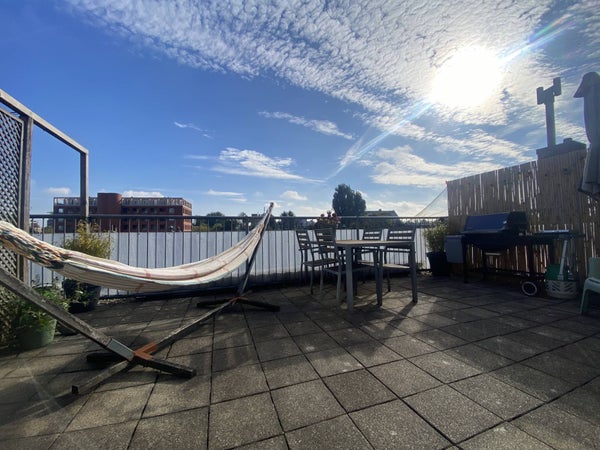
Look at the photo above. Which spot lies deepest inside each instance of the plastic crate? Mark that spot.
(561, 289)
(565, 287)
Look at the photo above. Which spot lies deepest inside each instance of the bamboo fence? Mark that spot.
(547, 190)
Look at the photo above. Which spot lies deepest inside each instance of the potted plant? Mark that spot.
(434, 238)
(30, 326)
(87, 239)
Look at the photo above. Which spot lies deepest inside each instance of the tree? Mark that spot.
(347, 202)
(287, 220)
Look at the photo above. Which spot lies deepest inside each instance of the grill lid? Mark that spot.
(514, 222)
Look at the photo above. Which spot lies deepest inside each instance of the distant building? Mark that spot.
(126, 214)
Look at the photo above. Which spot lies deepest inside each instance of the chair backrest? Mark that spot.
(594, 268)
(371, 235)
(303, 240)
(404, 235)
(326, 241)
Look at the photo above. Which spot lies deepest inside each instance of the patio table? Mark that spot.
(349, 245)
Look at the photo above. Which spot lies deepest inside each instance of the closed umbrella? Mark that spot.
(589, 89)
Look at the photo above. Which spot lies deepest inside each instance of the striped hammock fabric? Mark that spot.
(113, 274)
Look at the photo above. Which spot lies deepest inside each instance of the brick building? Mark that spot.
(126, 214)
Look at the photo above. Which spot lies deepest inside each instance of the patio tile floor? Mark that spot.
(471, 366)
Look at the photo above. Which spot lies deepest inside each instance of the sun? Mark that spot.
(467, 79)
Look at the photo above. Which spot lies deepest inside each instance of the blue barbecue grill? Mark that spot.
(500, 231)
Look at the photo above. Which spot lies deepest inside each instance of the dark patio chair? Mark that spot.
(328, 250)
(390, 256)
(311, 258)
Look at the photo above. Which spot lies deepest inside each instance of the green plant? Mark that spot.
(435, 237)
(329, 221)
(25, 315)
(89, 240)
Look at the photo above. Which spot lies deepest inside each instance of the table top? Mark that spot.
(371, 243)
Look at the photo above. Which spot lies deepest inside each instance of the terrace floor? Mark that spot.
(470, 366)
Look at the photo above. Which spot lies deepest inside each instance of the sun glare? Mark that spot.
(467, 79)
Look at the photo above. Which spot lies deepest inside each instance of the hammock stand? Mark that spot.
(143, 356)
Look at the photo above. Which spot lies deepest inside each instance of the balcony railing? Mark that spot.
(151, 245)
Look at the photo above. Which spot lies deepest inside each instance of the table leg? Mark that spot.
(413, 272)
(377, 262)
(349, 281)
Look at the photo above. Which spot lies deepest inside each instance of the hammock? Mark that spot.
(113, 274)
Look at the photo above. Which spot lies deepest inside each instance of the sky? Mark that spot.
(235, 104)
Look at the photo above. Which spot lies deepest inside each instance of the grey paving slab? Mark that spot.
(479, 357)
(454, 414)
(34, 442)
(238, 382)
(111, 437)
(408, 346)
(242, 421)
(274, 443)
(508, 348)
(350, 336)
(563, 368)
(269, 332)
(444, 367)
(277, 348)
(180, 430)
(358, 389)
(577, 325)
(301, 328)
(583, 402)
(339, 433)
(439, 339)
(409, 325)
(436, 320)
(534, 382)
(559, 429)
(504, 437)
(393, 425)
(305, 404)
(373, 353)
(287, 371)
(110, 407)
(172, 394)
(231, 357)
(333, 361)
(535, 340)
(38, 418)
(236, 338)
(197, 344)
(404, 378)
(559, 334)
(381, 330)
(315, 342)
(580, 353)
(500, 398)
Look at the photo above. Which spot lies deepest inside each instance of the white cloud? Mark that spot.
(401, 167)
(293, 195)
(59, 191)
(224, 193)
(193, 127)
(320, 126)
(142, 194)
(255, 164)
(197, 157)
(379, 56)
